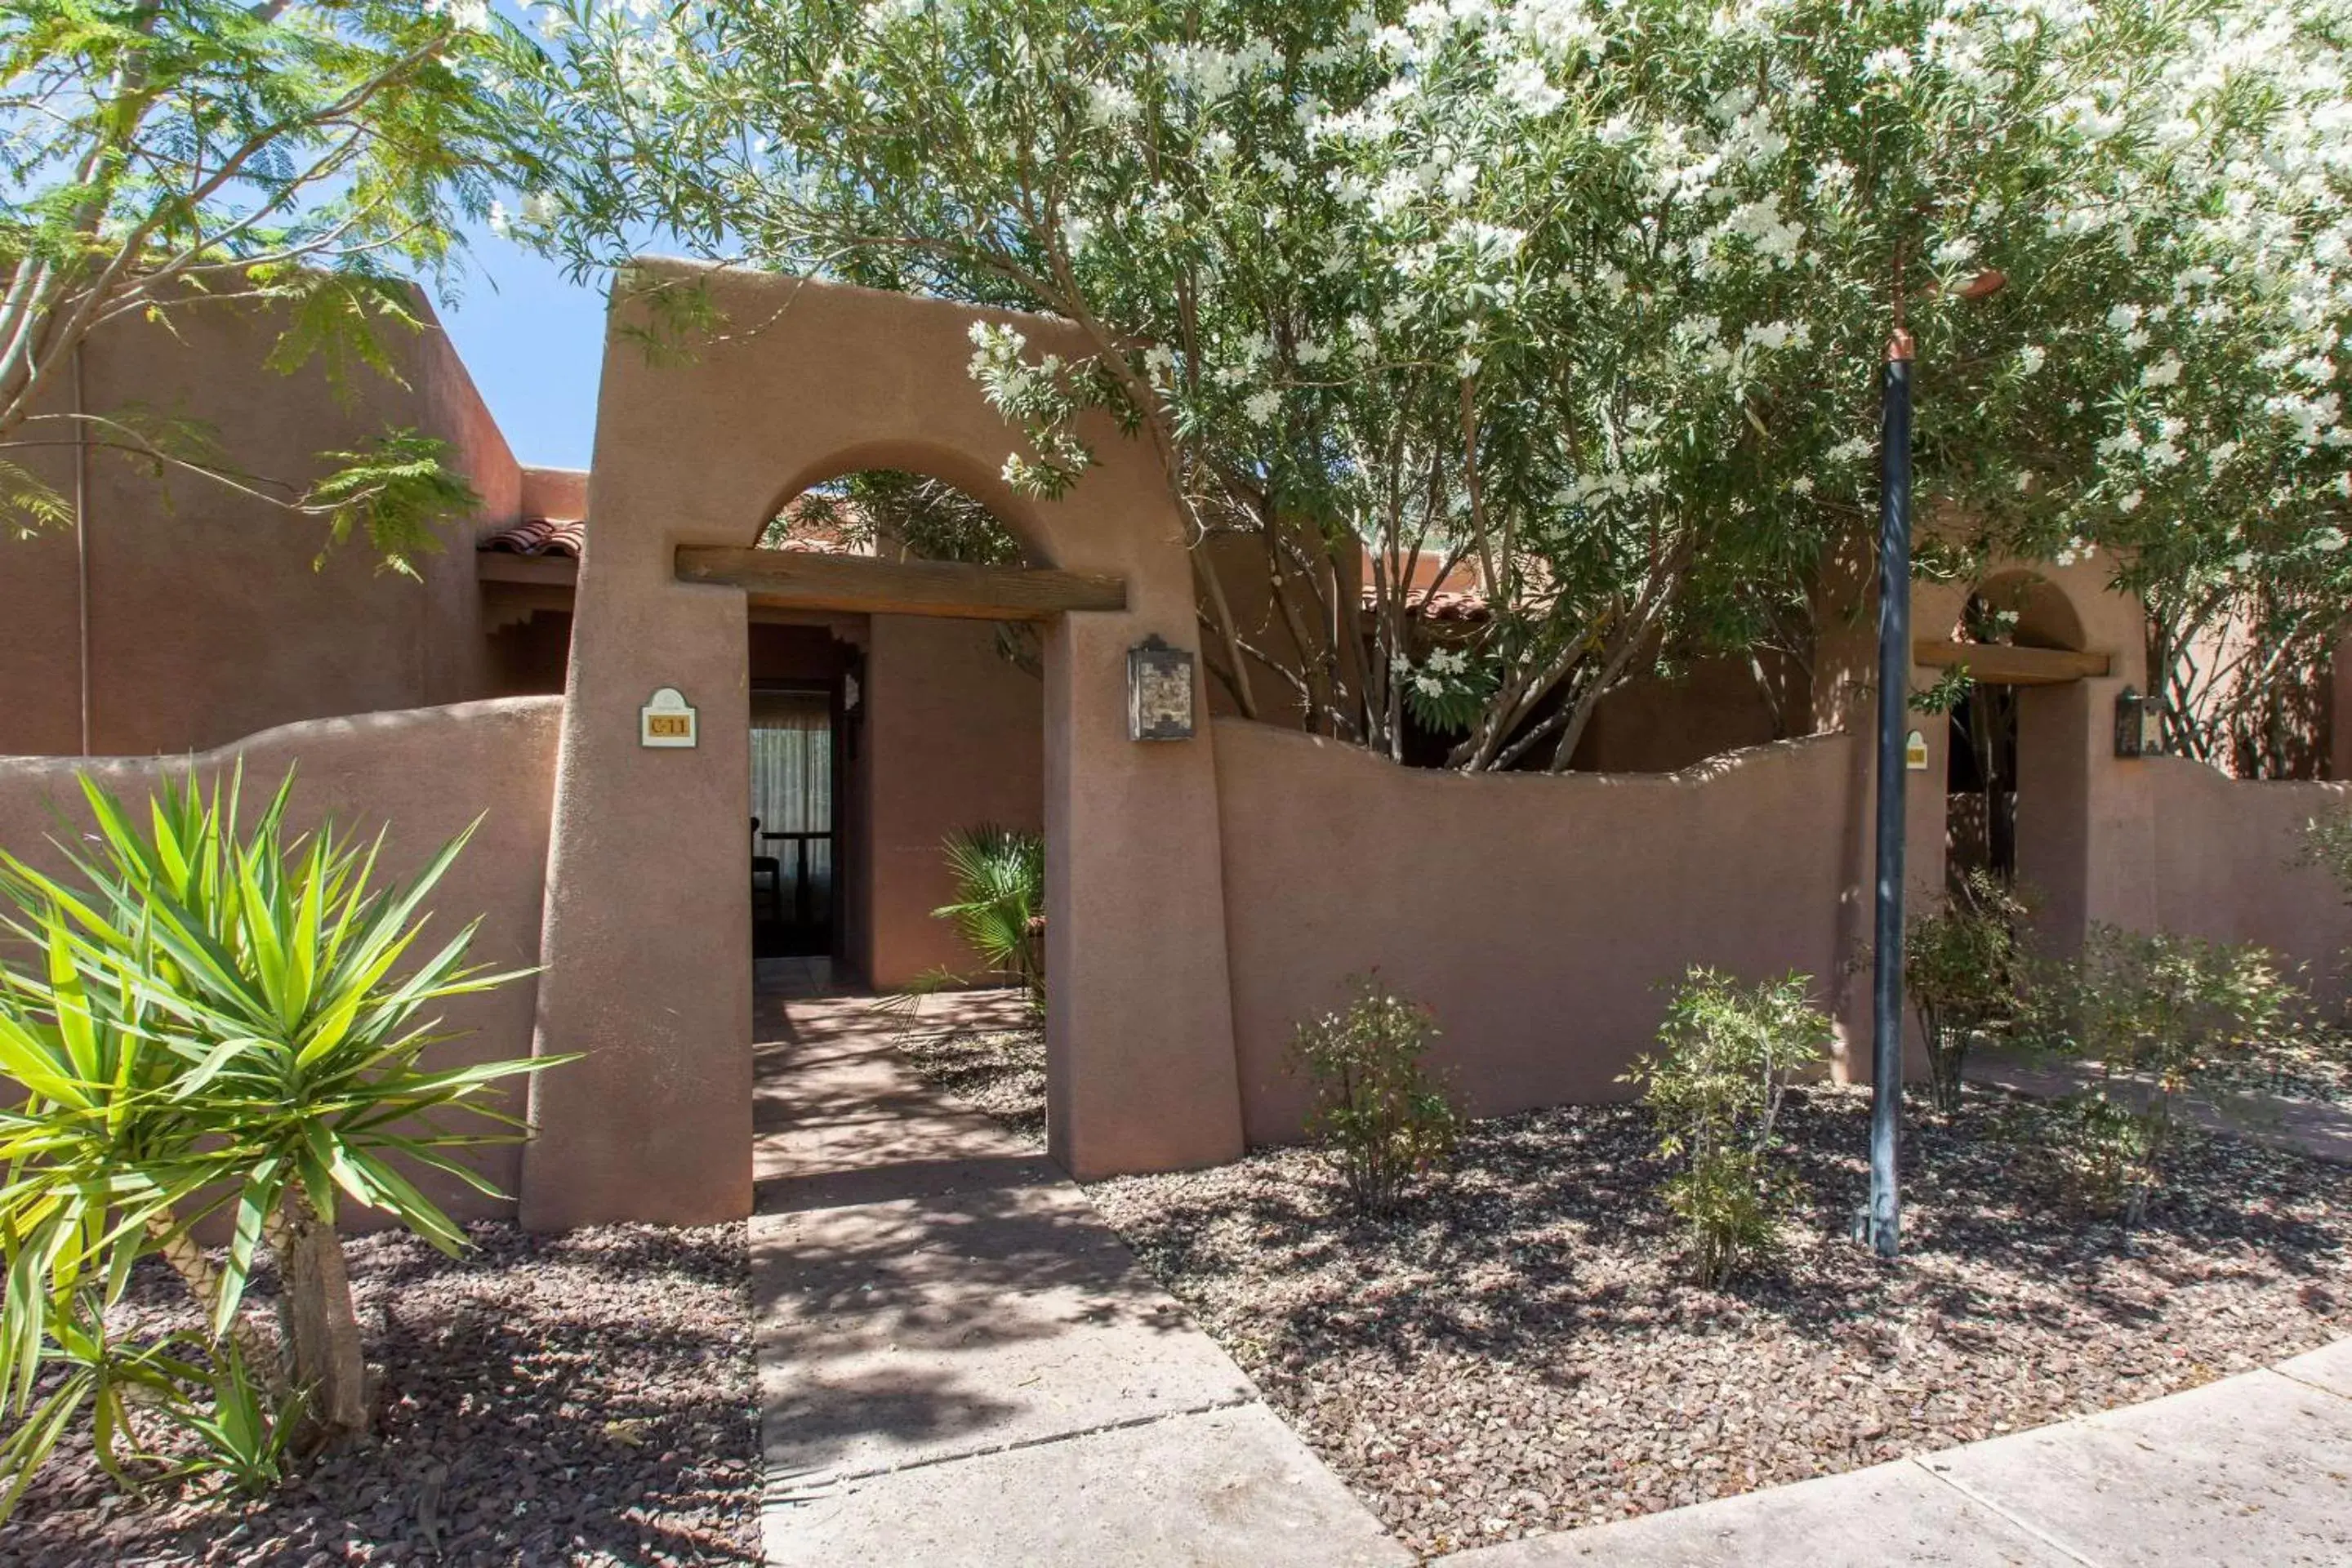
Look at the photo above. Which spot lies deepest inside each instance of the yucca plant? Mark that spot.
(1000, 902)
(223, 1020)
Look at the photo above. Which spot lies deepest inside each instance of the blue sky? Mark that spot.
(535, 344)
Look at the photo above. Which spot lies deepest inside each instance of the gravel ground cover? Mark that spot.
(1000, 1071)
(1518, 1351)
(565, 1399)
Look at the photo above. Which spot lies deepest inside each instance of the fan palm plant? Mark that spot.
(218, 1021)
(999, 905)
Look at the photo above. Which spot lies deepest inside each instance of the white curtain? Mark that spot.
(791, 787)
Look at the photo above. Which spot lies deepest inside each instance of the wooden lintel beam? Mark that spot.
(801, 580)
(1997, 664)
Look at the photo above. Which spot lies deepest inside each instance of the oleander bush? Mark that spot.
(1714, 1089)
(1382, 1113)
(2154, 1020)
(1961, 968)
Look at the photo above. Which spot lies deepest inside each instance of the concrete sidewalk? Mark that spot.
(2252, 1470)
(961, 1364)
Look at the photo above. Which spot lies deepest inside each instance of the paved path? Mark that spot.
(960, 1364)
(2252, 1470)
(2314, 1126)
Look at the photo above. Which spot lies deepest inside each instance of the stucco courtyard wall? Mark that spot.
(2228, 865)
(207, 618)
(423, 775)
(1535, 915)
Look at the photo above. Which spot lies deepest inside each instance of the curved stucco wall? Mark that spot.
(2227, 864)
(420, 773)
(1535, 914)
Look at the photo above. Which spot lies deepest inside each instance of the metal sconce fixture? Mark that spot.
(2140, 724)
(1159, 691)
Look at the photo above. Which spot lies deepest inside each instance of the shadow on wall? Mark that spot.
(1535, 915)
(420, 773)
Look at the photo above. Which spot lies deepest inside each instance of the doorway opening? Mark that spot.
(794, 782)
(879, 742)
(1980, 787)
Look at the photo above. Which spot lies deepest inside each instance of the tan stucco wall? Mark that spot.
(554, 492)
(422, 774)
(207, 621)
(1718, 705)
(647, 932)
(2227, 864)
(1535, 914)
(954, 736)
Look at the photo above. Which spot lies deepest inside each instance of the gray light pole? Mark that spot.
(1884, 1219)
(1882, 1223)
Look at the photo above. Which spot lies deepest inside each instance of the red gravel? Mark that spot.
(563, 1399)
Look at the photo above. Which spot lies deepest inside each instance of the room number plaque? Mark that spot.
(667, 721)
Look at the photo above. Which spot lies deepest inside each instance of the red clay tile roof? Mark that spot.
(540, 536)
(1438, 604)
(565, 537)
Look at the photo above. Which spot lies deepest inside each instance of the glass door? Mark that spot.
(792, 823)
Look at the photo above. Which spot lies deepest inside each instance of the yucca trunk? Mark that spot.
(320, 1323)
(260, 1351)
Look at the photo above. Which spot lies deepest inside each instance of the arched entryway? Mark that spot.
(809, 382)
(2021, 779)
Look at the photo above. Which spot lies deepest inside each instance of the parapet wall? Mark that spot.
(422, 774)
(1537, 915)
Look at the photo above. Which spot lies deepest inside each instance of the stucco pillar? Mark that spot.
(1139, 1032)
(2086, 827)
(647, 938)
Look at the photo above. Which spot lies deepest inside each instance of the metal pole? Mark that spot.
(1885, 1215)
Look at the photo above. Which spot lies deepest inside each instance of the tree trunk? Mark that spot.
(322, 1328)
(251, 1336)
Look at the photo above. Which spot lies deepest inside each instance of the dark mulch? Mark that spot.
(583, 1398)
(1518, 1353)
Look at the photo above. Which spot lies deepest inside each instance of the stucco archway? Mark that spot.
(645, 975)
(2083, 845)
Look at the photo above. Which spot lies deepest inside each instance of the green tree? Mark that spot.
(1587, 299)
(1000, 902)
(318, 157)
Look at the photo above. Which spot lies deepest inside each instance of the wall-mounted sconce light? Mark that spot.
(1159, 691)
(2140, 724)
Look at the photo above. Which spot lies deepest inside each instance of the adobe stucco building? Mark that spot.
(1204, 893)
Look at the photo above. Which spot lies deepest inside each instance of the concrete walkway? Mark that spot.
(961, 1365)
(2252, 1470)
(2314, 1126)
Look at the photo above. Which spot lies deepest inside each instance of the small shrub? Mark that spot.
(2327, 844)
(1960, 970)
(1713, 1088)
(1382, 1113)
(2155, 1018)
